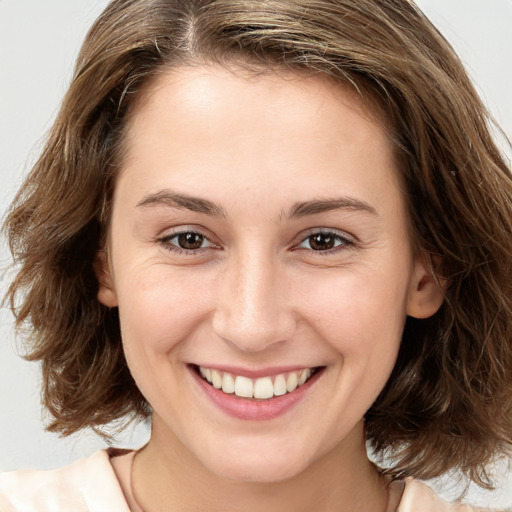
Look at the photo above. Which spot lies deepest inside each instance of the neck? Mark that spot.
(165, 474)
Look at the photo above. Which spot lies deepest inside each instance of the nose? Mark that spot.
(252, 310)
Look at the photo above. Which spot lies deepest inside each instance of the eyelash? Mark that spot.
(342, 240)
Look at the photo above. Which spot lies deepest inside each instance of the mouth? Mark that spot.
(262, 388)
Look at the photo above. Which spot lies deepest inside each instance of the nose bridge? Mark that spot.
(252, 311)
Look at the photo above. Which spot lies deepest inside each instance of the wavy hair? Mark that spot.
(448, 402)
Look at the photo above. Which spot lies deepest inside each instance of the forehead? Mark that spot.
(193, 125)
(199, 86)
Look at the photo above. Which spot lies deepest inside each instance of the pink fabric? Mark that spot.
(91, 485)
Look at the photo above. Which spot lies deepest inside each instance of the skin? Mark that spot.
(256, 294)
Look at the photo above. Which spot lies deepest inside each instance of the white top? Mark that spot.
(91, 485)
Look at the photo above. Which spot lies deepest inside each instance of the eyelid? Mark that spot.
(322, 229)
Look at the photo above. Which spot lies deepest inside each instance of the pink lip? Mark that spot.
(252, 409)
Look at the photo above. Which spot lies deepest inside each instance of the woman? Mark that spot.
(280, 229)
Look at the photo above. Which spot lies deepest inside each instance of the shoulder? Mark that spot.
(87, 485)
(418, 497)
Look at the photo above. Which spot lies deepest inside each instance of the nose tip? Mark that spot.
(254, 334)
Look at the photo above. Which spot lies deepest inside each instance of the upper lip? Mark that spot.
(255, 373)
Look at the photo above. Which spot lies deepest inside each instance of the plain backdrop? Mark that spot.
(39, 41)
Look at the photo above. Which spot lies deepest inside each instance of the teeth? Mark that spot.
(262, 388)
(243, 387)
(280, 385)
(304, 376)
(216, 379)
(228, 384)
(292, 382)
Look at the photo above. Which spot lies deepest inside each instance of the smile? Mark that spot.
(261, 388)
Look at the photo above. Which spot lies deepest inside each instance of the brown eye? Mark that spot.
(322, 241)
(326, 242)
(190, 241)
(187, 243)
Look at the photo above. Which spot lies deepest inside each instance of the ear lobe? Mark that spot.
(106, 291)
(427, 292)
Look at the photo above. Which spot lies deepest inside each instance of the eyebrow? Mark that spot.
(325, 205)
(173, 199)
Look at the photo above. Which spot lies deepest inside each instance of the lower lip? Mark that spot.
(253, 409)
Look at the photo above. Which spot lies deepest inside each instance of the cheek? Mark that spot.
(362, 321)
(360, 315)
(354, 300)
(158, 311)
(159, 308)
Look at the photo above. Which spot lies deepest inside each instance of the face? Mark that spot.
(258, 244)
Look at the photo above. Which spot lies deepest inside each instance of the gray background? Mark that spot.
(39, 41)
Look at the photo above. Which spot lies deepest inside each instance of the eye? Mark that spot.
(186, 241)
(324, 241)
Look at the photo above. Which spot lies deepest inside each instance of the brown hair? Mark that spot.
(448, 403)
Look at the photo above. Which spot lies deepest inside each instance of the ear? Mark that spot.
(106, 291)
(427, 292)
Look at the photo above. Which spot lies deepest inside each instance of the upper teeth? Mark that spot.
(264, 387)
